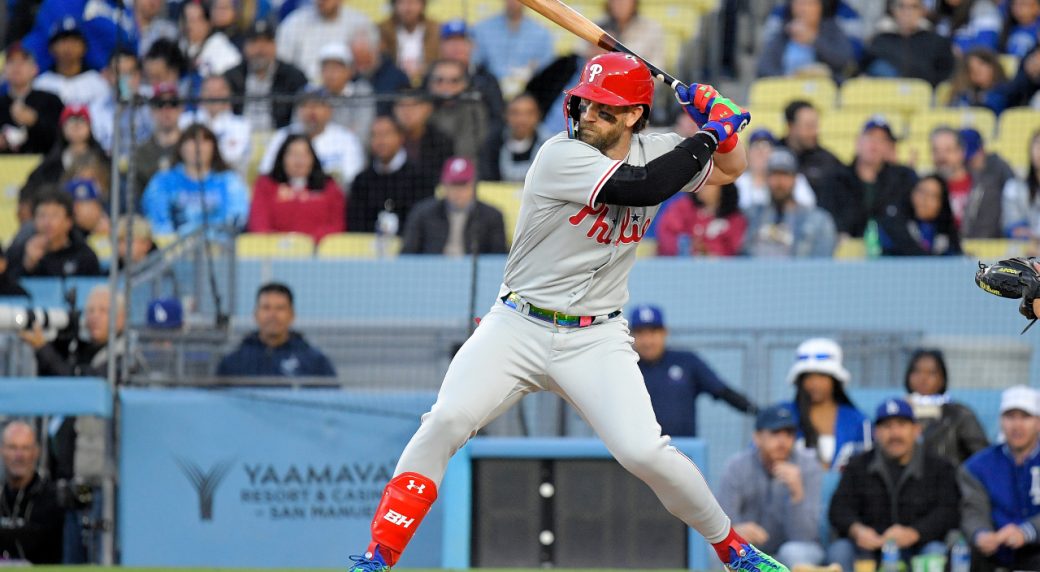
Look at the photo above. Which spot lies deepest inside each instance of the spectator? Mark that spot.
(409, 38)
(783, 227)
(106, 22)
(262, 74)
(28, 116)
(457, 224)
(976, 179)
(391, 182)
(376, 70)
(152, 25)
(159, 152)
(809, 44)
(675, 379)
(88, 214)
(776, 505)
(803, 131)
(297, 196)
(339, 150)
(1021, 202)
(1021, 27)
(163, 65)
(457, 45)
(969, 23)
(872, 186)
(705, 223)
(752, 182)
(1022, 89)
(234, 135)
(1000, 512)
(828, 421)
(979, 81)
(548, 86)
(906, 46)
(456, 111)
(855, 18)
(209, 52)
(428, 148)
(142, 243)
(9, 285)
(304, 32)
(123, 75)
(898, 493)
(54, 248)
(641, 35)
(275, 349)
(34, 528)
(923, 226)
(75, 143)
(20, 16)
(948, 429)
(199, 190)
(355, 108)
(514, 47)
(71, 80)
(508, 153)
(226, 19)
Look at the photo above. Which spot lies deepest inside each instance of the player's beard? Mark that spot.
(602, 138)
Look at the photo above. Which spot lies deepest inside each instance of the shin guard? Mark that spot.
(406, 500)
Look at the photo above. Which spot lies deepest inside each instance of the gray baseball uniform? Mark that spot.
(573, 256)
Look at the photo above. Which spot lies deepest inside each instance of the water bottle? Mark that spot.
(960, 555)
(872, 239)
(890, 561)
(387, 223)
(683, 245)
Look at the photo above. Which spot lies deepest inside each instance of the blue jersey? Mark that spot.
(104, 24)
(1013, 490)
(174, 202)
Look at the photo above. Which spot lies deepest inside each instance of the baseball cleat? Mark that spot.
(369, 562)
(744, 557)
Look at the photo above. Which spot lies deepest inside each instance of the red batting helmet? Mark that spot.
(612, 79)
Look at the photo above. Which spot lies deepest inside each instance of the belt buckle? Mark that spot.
(555, 318)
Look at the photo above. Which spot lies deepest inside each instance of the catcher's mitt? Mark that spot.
(1012, 278)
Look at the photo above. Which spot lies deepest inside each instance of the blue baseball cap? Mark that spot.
(971, 141)
(83, 190)
(775, 418)
(879, 122)
(646, 316)
(892, 408)
(454, 29)
(165, 313)
(762, 135)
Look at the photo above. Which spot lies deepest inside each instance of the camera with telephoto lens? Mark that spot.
(19, 318)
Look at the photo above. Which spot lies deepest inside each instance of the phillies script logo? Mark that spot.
(205, 483)
(632, 226)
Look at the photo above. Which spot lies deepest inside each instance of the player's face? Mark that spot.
(896, 436)
(1020, 429)
(927, 200)
(274, 315)
(925, 376)
(775, 446)
(602, 125)
(819, 387)
(650, 342)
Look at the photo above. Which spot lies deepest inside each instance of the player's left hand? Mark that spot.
(696, 100)
(726, 119)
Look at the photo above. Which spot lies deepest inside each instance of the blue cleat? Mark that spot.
(744, 557)
(369, 562)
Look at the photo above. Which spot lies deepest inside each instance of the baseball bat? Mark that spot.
(574, 22)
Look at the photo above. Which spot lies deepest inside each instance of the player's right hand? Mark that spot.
(696, 100)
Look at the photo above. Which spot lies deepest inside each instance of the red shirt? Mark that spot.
(708, 234)
(278, 207)
(960, 189)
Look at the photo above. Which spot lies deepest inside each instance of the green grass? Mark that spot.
(140, 569)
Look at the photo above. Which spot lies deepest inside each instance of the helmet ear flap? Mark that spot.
(571, 114)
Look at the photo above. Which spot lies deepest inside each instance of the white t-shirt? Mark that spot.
(338, 149)
(88, 88)
(234, 135)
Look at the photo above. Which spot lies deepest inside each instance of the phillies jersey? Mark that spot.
(570, 253)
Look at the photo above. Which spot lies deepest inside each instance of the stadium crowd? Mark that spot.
(389, 127)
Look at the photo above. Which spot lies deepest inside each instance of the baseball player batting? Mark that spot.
(588, 198)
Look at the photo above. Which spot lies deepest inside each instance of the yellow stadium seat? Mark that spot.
(942, 93)
(376, 11)
(1015, 135)
(673, 44)
(990, 249)
(443, 10)
(101, 244)
(768, 119)
(647, 248)
(843, 146)
(506, 198)
(257, 146)
(850, 249)
(881, 95)
(915, 152)
(274, 245)
(1010, 65)
(775, 93)
(14, 170)
(677, 18)
(849, 122)
(355, 245)
(983, 120)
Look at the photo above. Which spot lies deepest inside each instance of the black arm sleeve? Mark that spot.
(661, 178)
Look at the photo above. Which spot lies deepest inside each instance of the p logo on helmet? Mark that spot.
(594, 70)
(610, 79)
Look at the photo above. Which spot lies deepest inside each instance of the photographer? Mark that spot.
(30, 519)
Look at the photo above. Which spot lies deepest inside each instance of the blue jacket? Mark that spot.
(171, 200)
(675, 381)
(996, 492)
(852, 433)
(97, 19)
(293, 358)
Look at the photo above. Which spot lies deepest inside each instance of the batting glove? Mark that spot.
(726, 119)
(696, 100)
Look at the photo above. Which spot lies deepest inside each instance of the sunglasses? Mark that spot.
(445, 79)
(166, 104)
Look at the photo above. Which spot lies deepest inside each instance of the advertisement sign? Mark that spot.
(273, 478)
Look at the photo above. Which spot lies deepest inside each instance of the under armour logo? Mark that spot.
(417, 488)
(594, 70)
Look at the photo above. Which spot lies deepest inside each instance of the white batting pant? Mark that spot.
(594, 369)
